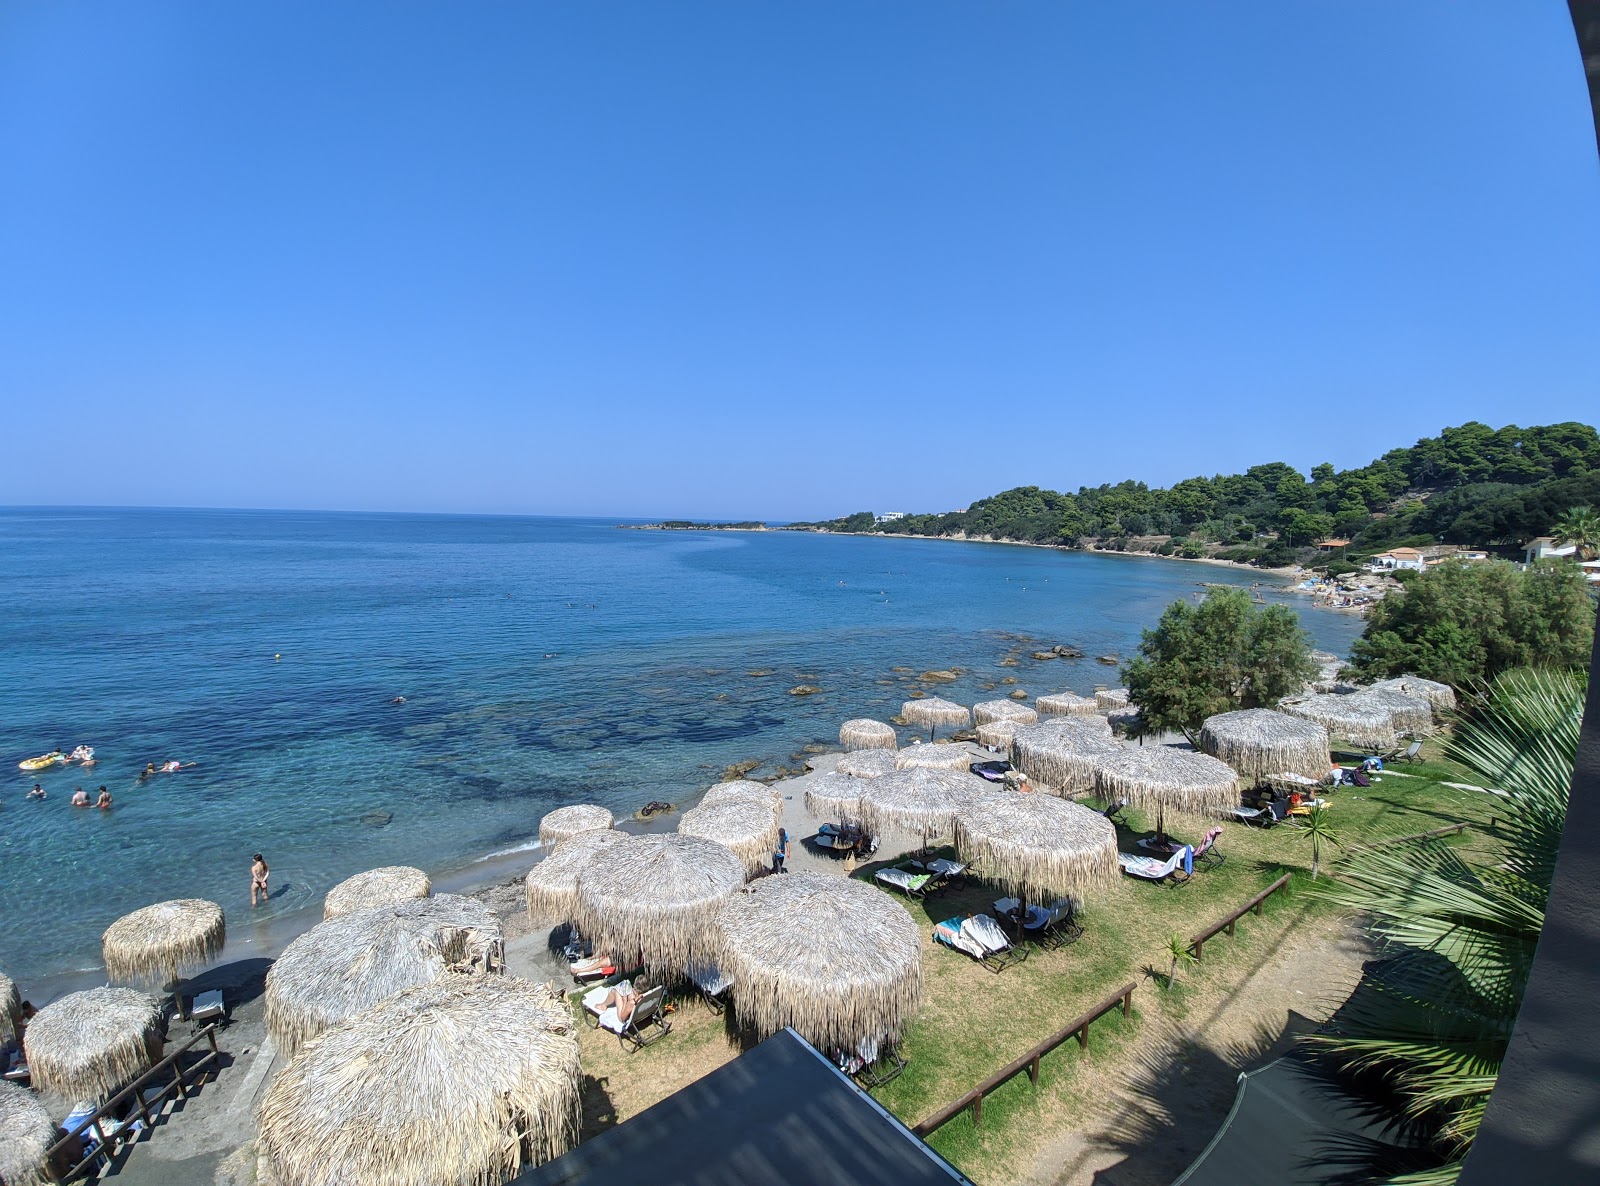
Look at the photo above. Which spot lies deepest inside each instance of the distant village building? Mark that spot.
(1332, 545)
(888, 516)
(1544, 548)
(1399, 558)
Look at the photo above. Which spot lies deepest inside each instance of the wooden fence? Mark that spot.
(1197, 944)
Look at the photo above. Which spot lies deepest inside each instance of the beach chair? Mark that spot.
(872, 1063)
(1260, 817)
(1175, 870)
(591, 968)
(1117, 812)
(1412, 753)
(1051, 927)
(647, 1022)
(1205, 854)
(1306, 807)
(980, 937)
(205, 1008)
(713, 984)
(843, 839)
(913, 883)
(945, 872)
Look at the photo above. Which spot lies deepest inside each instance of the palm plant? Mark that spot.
(1432, 1019)
(1317, 830)
(1179, 951)
(1580, 527)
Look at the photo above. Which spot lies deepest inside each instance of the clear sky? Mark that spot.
(774, 260)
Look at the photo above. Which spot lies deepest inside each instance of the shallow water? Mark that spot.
(543, 661)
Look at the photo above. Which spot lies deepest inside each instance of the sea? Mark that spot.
(357, 690)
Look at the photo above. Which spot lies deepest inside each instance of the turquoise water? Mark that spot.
(543, 661)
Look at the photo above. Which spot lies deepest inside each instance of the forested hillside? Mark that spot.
(1469, 485)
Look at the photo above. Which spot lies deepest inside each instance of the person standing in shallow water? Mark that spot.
(258, 878)
(104, 801)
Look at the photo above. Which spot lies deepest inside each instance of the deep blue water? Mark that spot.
(543, 662)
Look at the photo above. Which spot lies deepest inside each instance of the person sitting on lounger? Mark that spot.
(624, 998)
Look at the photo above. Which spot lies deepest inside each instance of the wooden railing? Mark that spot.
(183, 1078)
(1197, 944)
(1029, 1062)
(1434, 834)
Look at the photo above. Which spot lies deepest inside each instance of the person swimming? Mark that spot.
(80, 798)
(37, 792)
(104, 801)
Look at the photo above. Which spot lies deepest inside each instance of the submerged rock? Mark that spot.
(1010, 661)
(1108, 660)
(377, 819)
(759, 672)
(804, 690)
(1042, 655)
(1010, 679)
(738, 770)
(941, 676)
(654, 807)
(1018, 694)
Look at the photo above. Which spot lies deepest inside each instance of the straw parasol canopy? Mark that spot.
(744, 790)
(1163, 779)
(1111, 699)
(918, 803)
(997, 734)
(864, 733)
(1003, 710)
(867, 763)
(933, 757)
(376, 887)
(746, 828)
(1061, 755)
(1123, 720)
(1442, 697)
(155, 944)
(552, 883)
(1407, 713)
(836, 959)
(1257, 742)
(10, 1007)
(88, 1044)
(347, 964)
(835, 796)
(1037, 847)
(1067, 704)
(461, 1082)
(26, 1134)
(658, 896)
(933, 712)
(1345, 716)
(573, 820)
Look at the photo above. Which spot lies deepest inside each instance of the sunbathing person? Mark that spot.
(624, 998)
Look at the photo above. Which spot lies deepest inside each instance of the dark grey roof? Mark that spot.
(780, 1113)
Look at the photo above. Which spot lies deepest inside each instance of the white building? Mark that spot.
(1398, 558)
(1544, 548)
(889, 516)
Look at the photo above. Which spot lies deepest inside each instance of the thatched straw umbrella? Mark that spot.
(657, 897)
(345, 965)
(836, 959)
(1096, 723)
(863, 733)
(376, 887)
(1407, 713)
(1061, 755)
(88, 1044)
(746, 791)
(997, 734)
(155, 944)
(933, 712)
(933, 757)
(460, 1082)
(867, 763)
(10, 1007)
(1257, 742)
(1166, 780)
(747, 829)
(919, 803)
(1442, 697)
(1003, 710)
(552, 884)
(1359, 722)
(1123, 720)
(835, 797)
(26, 1134)
(1109, 699)
(1038, 847)
(573, 820)
(1067, 704)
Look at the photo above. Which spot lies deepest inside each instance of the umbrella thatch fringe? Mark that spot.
(573, 820)
(88, 1044)
(1171, 781)
(1257, 742)
(747, 829)
(552, 884)
(10, 1007)
(656, 898)
(158, 942)
(744, 790)
(376, 887)
(933, 712)
(345, 965)
(836, 959)
(1066, 704)
(1360, 723)
(1123, 720)
(1063, 755)
(997, 734)
(864, 733)
(1110, 699)
(919, 803)
(867, 763)
(1407, 713)
(933, 757)
(26, 1132)
(1003, 710)
(1441, 697)
(462, 1082)
(1037, 847)
(835, 797)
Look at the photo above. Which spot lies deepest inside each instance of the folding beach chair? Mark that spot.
(1051, 927)
(945, 872)
(713, 984)
(1205, 854)
(594, 967)
(980, 937)
(645, 1024)
(1260, 817)
(910, 882)
(1117, 812)
(872, 1063)
(1175, 870)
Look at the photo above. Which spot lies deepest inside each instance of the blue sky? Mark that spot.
(773, 260)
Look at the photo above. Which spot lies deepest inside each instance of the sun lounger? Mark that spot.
(1205, 854)
(1117, 812)
(945, 872)
(1175, 870)
(713, 984)
(1051, 927)
(1260, 817)
(980, 937)
(845, 838)
(595, 967)
(912, 884)
(207, 1007)
(647, 1022)
(871, 1064)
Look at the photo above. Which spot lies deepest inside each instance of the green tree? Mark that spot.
(1458, 931)
(1465, 623)
(1305, 527)
(1222, 654)
(1580, 526)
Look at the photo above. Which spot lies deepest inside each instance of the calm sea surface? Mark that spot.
(543, 661)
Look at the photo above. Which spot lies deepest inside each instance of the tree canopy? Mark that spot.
(1462, 623)
(1223, 654)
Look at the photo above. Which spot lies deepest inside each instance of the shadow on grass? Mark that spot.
(599, 1113)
